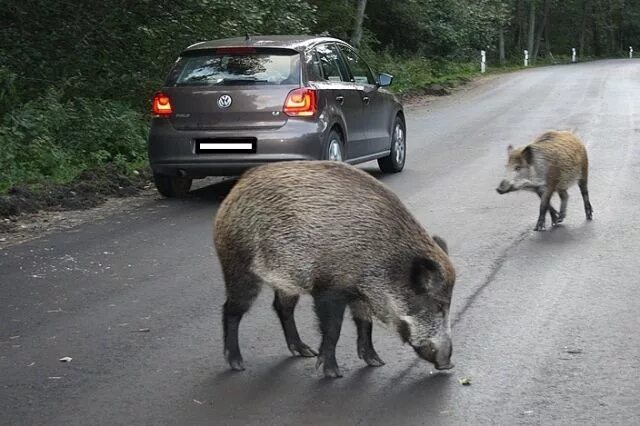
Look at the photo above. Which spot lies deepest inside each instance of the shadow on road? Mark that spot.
(216, 191)
(282, 394)
(565, 234)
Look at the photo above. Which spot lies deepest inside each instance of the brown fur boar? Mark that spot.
(554, 162)
(335, 232)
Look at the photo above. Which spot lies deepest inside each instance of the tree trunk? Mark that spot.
(518, 27)
(547, 40)
(545, 17)
(357, 28)
(501, 46)
(596, 32)
(583, 30)
(612, 31)
(532, 25)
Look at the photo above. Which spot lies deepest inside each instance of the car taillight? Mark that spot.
(162, 104)
(301, 103)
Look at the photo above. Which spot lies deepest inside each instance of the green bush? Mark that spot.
(48, 139)
(415, 73)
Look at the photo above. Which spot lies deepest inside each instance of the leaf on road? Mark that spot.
(65, 359)
(143, 330)
(465, 381)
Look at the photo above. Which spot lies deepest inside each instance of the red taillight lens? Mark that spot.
(301, 103)
(162, 104)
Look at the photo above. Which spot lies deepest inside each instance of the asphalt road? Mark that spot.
(546, 325)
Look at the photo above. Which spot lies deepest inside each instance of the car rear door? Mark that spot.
(376, 106)
(343, 96)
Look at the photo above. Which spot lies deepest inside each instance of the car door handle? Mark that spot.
(340, 99)
(365, 99)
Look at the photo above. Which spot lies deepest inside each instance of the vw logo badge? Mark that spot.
(224, 101)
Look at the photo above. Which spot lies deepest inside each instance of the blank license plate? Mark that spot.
(226, 146)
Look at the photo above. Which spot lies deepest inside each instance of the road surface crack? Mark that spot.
(495, 268)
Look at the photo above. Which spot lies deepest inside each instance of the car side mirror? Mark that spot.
(384, 80)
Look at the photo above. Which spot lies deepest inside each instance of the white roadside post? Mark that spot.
(526, 58)
(573, 54)
(630, 52)
(483, 61)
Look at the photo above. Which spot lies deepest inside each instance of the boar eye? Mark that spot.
(518, 168)
(440, 307)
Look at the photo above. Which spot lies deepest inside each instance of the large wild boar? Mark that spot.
(335, 232)
(552, 163)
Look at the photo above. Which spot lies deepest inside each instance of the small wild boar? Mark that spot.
(335, 232)
(552, 163)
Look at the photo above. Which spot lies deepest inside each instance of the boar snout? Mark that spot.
(504, 187)
(437, 353)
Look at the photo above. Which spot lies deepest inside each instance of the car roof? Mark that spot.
(295, 42)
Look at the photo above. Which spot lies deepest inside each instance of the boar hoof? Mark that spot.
(330, 369)
(539, 227)
(371, 358)
(332, 372)
(300, 349)
(236, 364)
(235, 361)
(374, 361)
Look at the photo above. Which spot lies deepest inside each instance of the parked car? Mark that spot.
(228, 105)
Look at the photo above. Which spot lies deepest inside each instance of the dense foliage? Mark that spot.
(76, 77)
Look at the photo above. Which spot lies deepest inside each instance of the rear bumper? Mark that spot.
(173, 152)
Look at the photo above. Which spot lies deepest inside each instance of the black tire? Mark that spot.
(334, 142)
(394, 162)
(172, 186)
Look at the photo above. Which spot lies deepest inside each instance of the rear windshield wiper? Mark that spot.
(241, 81)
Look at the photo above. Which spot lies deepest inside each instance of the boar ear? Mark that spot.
(509, 149)
(423, 271)
(527, 155)
(442, 243)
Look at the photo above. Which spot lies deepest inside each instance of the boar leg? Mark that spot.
(362, 317)
(584, 190)
(545, 205)
(564, 200)
(241, 292)
(329, 308)
(285, 304)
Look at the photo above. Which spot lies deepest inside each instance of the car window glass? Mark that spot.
(359, 69)
(212, 69)
(329, 59)
(314, 72)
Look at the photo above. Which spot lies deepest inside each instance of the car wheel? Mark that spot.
(172, 186)
(394, 162)
(334, 149)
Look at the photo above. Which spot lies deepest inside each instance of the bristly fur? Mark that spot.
(336, 232)
(554, 162)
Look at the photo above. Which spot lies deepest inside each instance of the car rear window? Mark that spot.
(223, 69)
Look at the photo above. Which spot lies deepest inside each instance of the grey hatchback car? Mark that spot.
(228, 105)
